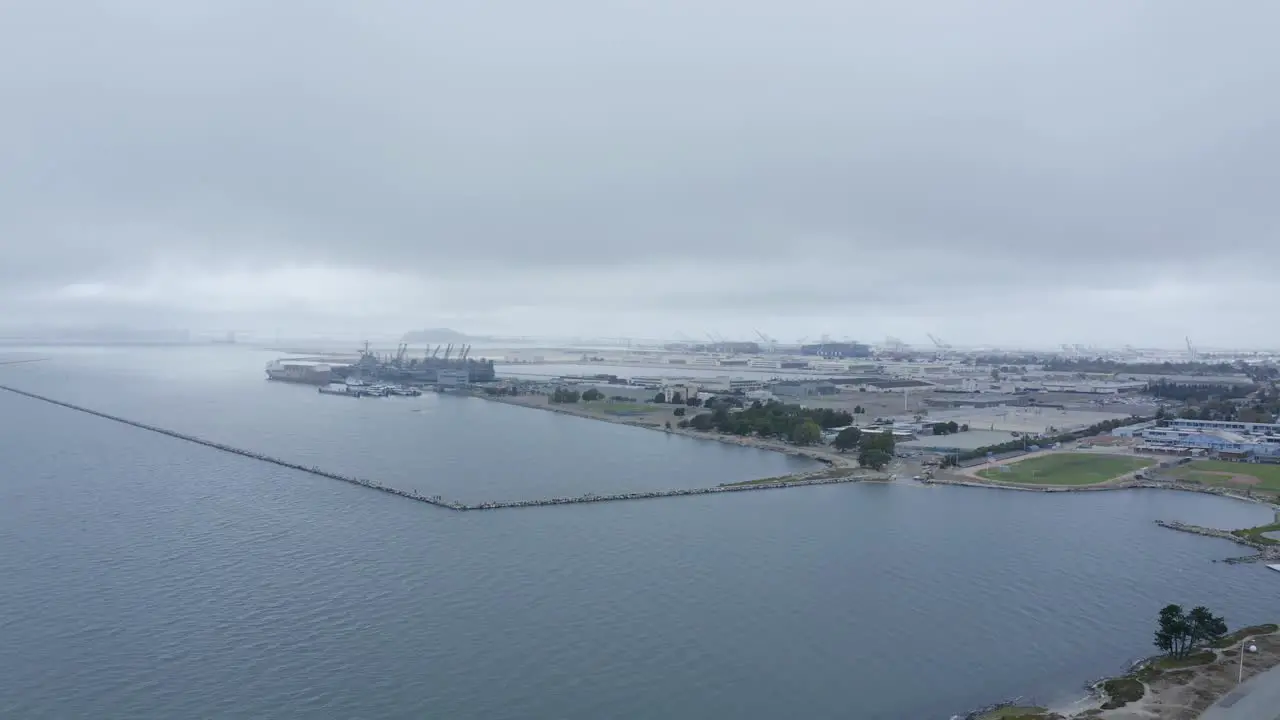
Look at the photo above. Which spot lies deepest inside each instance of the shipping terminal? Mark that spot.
(374, 375)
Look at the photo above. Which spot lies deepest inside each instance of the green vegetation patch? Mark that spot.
(1122, 691)
(615, 407)
(1066, 469)
(1242, 633)
(1258, 534)
(1017, 712)
(1204, 657)
(1268, 476)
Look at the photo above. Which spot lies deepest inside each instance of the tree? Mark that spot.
(660, 398)
(564, 395)
(1178, 632)
(873, 458)
(964, 427)
(591, 395)
(678, 412)
(806, 433)
(859, 410)
(878, 441)
(1172, 630)
(995, 375)
(677, 398)
(953, 428)
(1205, 626)
(693, 401)
(940, 428)
(847, 439)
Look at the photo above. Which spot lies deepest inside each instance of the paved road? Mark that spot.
(1257, 699)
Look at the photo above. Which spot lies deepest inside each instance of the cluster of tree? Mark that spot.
(503, 390)
(1025, 441)
(565, 395)
(1098, 365)
(875, 449)
(1198, 392)
(947, 428)
(592, 395)
(678, 412)
(1254, 411)
(1178, 632)
(802, 426)
(1264, 406)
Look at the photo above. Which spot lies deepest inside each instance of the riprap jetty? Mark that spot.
(438, 501)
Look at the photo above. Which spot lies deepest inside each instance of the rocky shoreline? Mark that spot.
(1157, 688)
(1104, 487)
(1266, 552)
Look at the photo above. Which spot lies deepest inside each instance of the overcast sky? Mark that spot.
(991, 172)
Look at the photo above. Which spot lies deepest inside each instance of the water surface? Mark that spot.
(147, 577)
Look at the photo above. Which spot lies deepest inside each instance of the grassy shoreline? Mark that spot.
(1162, 688)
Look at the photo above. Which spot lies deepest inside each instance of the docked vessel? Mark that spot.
(340, 389)
(299, 371)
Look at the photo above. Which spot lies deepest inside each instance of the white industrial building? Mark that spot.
(1229, 425)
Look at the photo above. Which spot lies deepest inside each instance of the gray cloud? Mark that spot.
(814, 162)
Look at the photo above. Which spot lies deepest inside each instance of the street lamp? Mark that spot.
(1243, 649)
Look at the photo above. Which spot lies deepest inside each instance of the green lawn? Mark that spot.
(1260, 533)
(617, 407)
(1066, 469)
(1198, 471)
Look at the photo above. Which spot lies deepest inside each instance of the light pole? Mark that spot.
(1243, 649)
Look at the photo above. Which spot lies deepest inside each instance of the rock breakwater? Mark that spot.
(1265, 551)
(799, 480)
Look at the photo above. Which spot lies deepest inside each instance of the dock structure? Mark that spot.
(437, 500)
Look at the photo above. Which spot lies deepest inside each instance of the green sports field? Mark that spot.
(1066, 469)
(1220, 472)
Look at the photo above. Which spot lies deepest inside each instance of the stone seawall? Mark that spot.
(804, 479)
(1265, 551)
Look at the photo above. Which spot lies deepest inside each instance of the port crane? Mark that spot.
(937, 342)
(770, 343)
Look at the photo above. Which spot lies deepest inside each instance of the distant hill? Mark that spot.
(435, 335)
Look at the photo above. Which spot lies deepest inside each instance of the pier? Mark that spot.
(436, 500)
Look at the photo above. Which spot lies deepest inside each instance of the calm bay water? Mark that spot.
(146, 577)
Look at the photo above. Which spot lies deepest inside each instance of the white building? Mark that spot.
(452, 378)
(1230, 425)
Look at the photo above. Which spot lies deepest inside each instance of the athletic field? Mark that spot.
(1066, 468)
